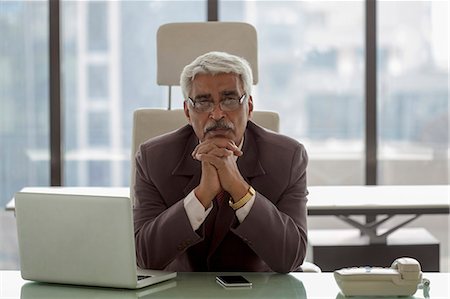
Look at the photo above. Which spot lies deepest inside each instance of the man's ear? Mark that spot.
(186, 112)
(250, 107)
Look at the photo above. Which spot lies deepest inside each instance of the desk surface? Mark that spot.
(203, 285)
(374, 200)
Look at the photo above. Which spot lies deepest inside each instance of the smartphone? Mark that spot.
(233, 281)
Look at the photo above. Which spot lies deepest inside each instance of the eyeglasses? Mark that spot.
(230, 103)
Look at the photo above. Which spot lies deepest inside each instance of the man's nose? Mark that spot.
(217, 113)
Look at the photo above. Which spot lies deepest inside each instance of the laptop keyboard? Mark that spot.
(140, 277)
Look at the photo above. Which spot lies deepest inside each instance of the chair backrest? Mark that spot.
(178, 44)
(149, 123)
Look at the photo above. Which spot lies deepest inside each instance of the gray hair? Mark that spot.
(214, 63)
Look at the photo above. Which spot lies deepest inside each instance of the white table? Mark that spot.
(203, 285)
(377, 203)
(368, 243)
(372, 201)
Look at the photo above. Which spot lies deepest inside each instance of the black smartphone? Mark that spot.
(233, 281)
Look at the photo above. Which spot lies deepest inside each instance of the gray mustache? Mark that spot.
(220, 124)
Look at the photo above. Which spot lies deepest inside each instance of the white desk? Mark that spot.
(373, 201)
(203, 285)
(368, 244)
(344, 202)
(380, 199)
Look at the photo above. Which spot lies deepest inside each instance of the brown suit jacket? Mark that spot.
(271, 238)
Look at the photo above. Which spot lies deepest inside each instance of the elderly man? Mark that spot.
(221, 193)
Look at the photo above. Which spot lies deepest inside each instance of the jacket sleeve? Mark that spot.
(162, 232)
(276, 229)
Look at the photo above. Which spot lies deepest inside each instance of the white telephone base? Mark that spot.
(401, 279)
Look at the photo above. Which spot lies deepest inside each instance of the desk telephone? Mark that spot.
(401, 279)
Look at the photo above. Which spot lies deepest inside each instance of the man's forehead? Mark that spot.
(223, 82)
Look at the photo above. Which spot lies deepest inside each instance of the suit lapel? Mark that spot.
(187, 166)
(249, 164)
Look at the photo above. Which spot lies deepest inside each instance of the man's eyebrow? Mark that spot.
(205, 96)
(229, 92)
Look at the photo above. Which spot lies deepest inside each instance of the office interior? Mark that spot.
(366, 117)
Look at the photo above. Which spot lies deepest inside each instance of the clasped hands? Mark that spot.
(219, 170)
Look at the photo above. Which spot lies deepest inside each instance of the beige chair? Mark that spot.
(177, 45)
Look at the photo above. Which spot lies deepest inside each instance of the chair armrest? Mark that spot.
(310, 267)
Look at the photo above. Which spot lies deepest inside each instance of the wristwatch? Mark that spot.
(241, 202)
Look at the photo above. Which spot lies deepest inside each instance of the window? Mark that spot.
(98, 129)
(335, 123)
(97, 27)
(24, 104)
(99, 172)
(311, 71)
(413, 92)
(97, 83)
(24, 110)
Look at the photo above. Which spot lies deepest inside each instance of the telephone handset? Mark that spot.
(401, 279)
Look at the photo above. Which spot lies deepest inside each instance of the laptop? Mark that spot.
(80, 239)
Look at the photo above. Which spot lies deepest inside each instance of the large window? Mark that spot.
(311, 66)
(24, 104)
(24, 109)
(413, 92)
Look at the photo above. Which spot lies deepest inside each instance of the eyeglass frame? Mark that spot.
(213, 107)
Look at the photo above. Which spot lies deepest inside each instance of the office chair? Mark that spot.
(177, 45)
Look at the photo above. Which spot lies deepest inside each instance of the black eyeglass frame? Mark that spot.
(213, 105)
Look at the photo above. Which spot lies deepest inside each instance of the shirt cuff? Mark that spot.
(195, 210)
(245, 209)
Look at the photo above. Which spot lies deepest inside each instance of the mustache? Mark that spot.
(220, 124)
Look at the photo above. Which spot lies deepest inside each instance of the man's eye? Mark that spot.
(203, 103)
(230, 99)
